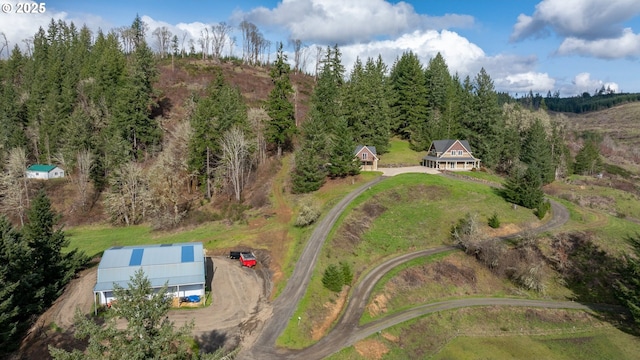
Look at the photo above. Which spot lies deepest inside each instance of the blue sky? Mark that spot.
(569, 46)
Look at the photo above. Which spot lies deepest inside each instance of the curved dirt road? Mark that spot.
(347, 331)
(284, 306)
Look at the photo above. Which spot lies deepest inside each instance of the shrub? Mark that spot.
(494, 222)
(465, 233)
(333, 278)
(543, 208)
(347, 273)
(309, 213)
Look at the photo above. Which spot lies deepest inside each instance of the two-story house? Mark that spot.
(450, 155)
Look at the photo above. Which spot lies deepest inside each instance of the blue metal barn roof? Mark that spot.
(175, 264)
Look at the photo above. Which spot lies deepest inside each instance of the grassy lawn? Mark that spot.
(400, 154)
(411, 212)
(498, 333)
(480, 175)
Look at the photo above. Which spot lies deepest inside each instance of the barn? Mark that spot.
(39, 171)
(181, 266)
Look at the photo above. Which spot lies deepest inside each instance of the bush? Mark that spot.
(494, 222)
(543, 208)
(309, 213)
(466, 232)
(333, 278)
(347, 273)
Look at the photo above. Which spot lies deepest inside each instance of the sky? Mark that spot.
(569, 46)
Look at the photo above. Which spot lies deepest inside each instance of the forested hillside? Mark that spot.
(154, 137)
(146, 135)
(585, 102)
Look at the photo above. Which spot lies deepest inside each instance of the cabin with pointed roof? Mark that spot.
(368, 157)
(450, 155)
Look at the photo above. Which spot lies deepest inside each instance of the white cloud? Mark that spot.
(582, 19)
(342, 22)
(584, 83)
(525, 82)
(626, 46)
(18, 27)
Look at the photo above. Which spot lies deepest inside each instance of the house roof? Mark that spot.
(371, 148)
(444, 145)
(174, 264)
(41, 168)
(450, 159)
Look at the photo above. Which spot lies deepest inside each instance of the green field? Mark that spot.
(400, 154)
(419, 211)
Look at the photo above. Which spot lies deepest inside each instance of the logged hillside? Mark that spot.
(620, 130)
(191, 76)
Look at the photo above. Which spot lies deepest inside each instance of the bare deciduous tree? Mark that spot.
(204, 41)
(319, 56)
(219, 34)
(163, 39)
(169, 176)
(128, 198)
(84, 163)
(297, 54)
(13, 184)
(253, 43)
(236, 159)
(257, 119)
(5, 45)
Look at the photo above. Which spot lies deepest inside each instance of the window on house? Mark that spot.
(453, 153)
(364, 156)
(460, 152)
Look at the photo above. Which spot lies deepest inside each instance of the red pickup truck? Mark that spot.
(248, 259)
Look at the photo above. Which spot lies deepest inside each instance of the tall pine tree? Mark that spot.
(409, 97)
(536, 151)
(282, 125)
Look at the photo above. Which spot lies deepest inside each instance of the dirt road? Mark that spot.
(347, 331)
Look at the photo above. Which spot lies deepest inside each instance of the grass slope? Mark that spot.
(401, 214)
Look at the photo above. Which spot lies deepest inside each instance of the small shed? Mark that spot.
(46, 172)
(181, 266)
(368, 157)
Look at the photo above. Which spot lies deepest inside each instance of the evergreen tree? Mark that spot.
(440, 101)
(308, 174)
(279, 107)
(524, 187)
(484, 125)
(409, 93)
(536, 151)
(220, 109)
(13, 258)
(133, 119)
(628, 285)
(366, 105)
(326, 101)
(588, 160)
(333, 278)
(51, 267)
(148, 333)
(342, 161)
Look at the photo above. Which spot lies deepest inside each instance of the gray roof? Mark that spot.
(449, 159)
(443, 145)
(174, 264)
(371, 148)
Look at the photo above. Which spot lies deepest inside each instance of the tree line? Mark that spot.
(600, 100)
